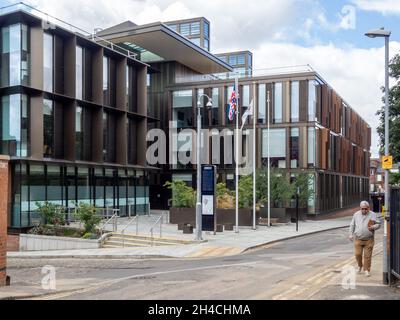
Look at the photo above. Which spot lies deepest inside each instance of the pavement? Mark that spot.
(221, 244)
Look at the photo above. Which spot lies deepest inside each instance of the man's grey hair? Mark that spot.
(364, 204)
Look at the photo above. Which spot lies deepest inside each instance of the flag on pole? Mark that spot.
(248, 112)
(232, 104)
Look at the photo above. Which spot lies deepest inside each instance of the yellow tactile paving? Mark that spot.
(215, 252)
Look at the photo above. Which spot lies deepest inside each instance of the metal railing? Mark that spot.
(112, 220)
(159, 221)
(136, 218)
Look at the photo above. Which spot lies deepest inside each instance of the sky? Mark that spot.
(326, 34)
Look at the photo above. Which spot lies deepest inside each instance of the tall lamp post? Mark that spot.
(198, 156)
(385, 34)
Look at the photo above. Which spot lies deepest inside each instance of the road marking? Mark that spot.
(114, 281)
(215, 251)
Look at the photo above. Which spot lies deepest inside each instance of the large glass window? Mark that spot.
(14, 130)
(48, 128)
(196, 41)
(261, 103)
(182, 108)
(79, 73)
(294, 147)
(206, 30)
(83, 133)
(15, 55)
(185, 29)
(241, 59)
(277, 149)
(109, 136)
(294, 105)
(278, 102)
(195, 28)
(48, 65)
(311, 147)
(132, 141)
(206, 44)
(131, 88)
(215, 107)
(233, 60)
(173, 27)
(312, 99)
(106, 84)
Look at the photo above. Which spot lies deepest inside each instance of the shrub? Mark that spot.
(303, 181)
(50, 213)
(89, 235)
(224, 197)
(182, 195)
(87, 214)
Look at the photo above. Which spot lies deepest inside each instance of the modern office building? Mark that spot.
(241, 61)
(73, 119)
(313, 130)
(195, 29)
(377, 176)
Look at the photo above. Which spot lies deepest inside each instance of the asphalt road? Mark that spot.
(292, 269)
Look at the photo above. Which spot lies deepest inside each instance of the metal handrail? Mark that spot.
(161, 218)
(114, 218)
(136, 218)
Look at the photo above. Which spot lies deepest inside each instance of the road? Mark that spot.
(291, 269)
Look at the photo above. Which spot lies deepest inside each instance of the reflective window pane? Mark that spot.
(195, 28)
(48, 128)
(79, 72)
(277, 102)
(262, 103)
(185, 29)
(47, 62)
(277, 147)
(294, 106)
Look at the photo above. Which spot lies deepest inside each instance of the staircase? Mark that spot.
(117, 240)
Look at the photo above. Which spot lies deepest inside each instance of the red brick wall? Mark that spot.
(3, 217)
(12, 242)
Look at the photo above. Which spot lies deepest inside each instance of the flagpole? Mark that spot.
(269, 165)
(254, 154)
(237, 155)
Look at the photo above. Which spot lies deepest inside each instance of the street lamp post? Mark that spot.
(198, 156)
(386, 34)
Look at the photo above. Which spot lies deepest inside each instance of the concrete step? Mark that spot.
(119, 244)
(148, 238)
(139, 241)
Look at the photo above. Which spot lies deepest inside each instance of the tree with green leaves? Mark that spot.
(182, 195)
(304, 182)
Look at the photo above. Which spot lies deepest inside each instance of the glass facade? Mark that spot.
(106, 83)
(182, 108)
(295, 101)
(277, 112)
(14, 130)
(65, 185)
(79, 73)
(48, 128)
(185, 29)
(277, 142)
(15, 55)
(195, 28)
(311, 145)
(215, 107)
(294, 147)
(83, 133)
(48, 64)
(262, 106)
(312, 99)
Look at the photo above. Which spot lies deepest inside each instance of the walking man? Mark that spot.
(362, 230)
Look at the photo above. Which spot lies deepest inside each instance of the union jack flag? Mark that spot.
(232, 104)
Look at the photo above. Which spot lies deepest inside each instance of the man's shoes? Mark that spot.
(359, 271)
(367, 274)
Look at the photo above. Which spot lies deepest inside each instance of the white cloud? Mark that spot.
(385, 7)
(356, 74)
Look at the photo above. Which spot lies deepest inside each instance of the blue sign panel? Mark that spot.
(208, 182)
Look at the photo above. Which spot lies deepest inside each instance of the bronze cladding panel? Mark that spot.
(122, 139)
(303, 111)
(97, 135)
(97, 60)
(70, 61)
(37, 57)
(142, 92)
(121, 98)
(36, 127)
(69, 130)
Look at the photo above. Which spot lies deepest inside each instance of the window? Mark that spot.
(277, 147)
(223, 58)
(109, 137)
(261, 103)
(14, 125)
(206, 44)
(185, 29)
(277, 103)
(106, 83)
(233, 60)
(294, 106)
(246, 96)
(311, 147)
(196, 41)
(131, 88)
(206, 30)
(79, 73)
(132, 141)
(182, 108)
(250, 61)
(241, 59)
(48, 128)
(294, 147)
(195, 28)
(173, 27)
(15, 55)
(48, 64)
(215, 107)
(83, 133)
(312, 99)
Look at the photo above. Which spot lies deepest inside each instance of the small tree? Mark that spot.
(87, 214)
(182, 195)
(50, 213)
(224, 197)
(303, 181)
(246, 191)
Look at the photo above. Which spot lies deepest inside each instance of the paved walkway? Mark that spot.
(221, 244)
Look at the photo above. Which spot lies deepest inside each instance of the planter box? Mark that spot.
(224, 216)
(32, 242)
(281, 214)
